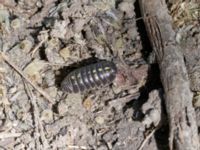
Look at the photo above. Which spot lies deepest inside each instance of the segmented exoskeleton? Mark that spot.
(88, 77)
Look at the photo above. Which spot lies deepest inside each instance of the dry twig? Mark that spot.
(45, 37)
(4, 135)
(77, 147)
(146, 139)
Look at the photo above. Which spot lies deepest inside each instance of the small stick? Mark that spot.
(77, 147)
(39, 129)
(146, 139)
(39, 45)
(174, 76)
(4, 135)
(41, 91)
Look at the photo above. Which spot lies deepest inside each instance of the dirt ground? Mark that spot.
(44, 40)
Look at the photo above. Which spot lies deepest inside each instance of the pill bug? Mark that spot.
(89, 77)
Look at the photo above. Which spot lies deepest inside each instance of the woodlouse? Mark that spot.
(88, 77)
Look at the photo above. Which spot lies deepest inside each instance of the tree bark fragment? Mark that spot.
(174, 77)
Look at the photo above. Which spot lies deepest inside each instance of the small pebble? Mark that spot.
(15, 24)
(99, 120)
(26, 45)
(87, 103)
(47, 116)
(65, 53)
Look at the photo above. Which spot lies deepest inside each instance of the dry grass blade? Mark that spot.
(45, 37)
(4, 135)
(77, 147)
(41, 91)
(146, 139)
(39, 129)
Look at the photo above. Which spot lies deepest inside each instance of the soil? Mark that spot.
(47, 39)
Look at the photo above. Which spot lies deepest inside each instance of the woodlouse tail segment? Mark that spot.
(65, 86)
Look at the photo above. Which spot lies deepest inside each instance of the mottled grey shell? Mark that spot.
(95, 75)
